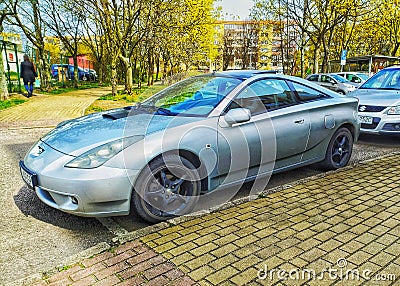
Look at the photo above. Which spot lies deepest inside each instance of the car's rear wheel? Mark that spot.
(167, 188)
(341, 92)
(339, 150)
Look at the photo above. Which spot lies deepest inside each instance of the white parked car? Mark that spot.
(356, 77)
(379, 107)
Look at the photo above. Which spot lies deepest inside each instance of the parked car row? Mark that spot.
(204, 134)
(379, 97)
(68, 72)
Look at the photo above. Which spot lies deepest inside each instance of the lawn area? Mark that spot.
(14, 100)
(121, 99)
(108, 101)
(60, 89)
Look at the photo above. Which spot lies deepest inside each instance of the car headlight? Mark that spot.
(99, 155)
(394, 110)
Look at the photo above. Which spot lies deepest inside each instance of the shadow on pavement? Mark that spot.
(379, 140)
(30, 205)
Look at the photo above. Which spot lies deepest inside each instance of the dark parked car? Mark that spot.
(83, 74)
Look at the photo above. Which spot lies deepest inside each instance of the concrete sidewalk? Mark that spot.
(49, 110)
(340, 229)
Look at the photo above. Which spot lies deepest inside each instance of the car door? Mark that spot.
(274, 138)
(328, 82)
(322, 118)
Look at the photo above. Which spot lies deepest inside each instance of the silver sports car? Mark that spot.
(189, 146)
(379, 108)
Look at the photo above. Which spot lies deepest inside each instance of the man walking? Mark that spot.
(28, 73)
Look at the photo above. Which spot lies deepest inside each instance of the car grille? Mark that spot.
(374, 124)
(371, 108)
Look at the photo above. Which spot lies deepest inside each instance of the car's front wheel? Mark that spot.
(167, 188)
(339, 150)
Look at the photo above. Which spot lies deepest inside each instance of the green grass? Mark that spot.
(12, 75)
(138, 94)
(61, 90)
(10, 102)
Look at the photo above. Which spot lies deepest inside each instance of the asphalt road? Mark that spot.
(35, 237)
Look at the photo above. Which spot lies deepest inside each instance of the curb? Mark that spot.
(97, 249)
(119, 240)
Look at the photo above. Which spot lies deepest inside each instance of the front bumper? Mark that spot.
(103, 191)
(382, 124)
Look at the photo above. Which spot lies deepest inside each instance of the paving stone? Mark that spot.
(201, 272)
(382, 258)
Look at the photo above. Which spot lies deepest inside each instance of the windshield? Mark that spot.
(385, 79)
(363, 76)
(339, 78)
(195, 96)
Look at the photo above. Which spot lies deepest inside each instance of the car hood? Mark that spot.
(77, 136)
(377, 97)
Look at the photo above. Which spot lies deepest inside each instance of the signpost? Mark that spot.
(343, 59)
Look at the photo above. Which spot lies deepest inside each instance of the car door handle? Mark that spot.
(300, 121)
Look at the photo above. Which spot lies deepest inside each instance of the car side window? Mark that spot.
(313, 78)
(265, 95)
(306, 93)
(328, 79)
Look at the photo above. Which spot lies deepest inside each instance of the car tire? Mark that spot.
(84, 78)
(339, 150)
(168, 187)
(341, 92)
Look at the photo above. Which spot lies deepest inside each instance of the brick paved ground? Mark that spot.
(49, 110)
(346, 221)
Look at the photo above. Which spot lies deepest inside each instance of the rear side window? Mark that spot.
(265, 95)
(325, 78)
(313, 78)
(306, 93)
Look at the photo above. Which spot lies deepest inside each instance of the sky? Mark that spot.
(236, 7)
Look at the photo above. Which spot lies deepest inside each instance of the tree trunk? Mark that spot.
(43, 68)
(316, 60)
(128, 74)
(100, 69)
(396, 47)
(76, 74)
(157, 67)
(114, 76)
(302, 61)
(3, 81)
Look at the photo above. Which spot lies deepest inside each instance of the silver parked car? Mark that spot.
(333, 82)
(190, 140)
(379, 108)
(356, 77)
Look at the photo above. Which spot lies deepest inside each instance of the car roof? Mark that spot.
(244, 74)
(392, 67)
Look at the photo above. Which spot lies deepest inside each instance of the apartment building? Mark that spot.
(258, 44)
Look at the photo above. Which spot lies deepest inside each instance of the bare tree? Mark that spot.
(7, 8)
(65, 21)
(28, 17)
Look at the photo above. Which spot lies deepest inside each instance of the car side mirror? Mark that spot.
(237, 115)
